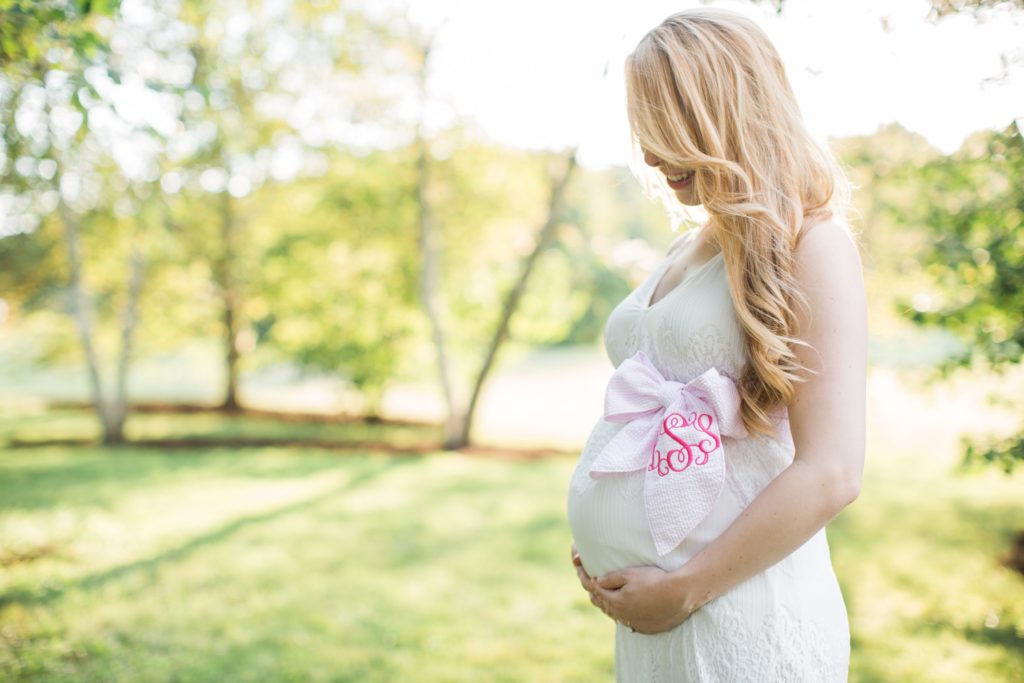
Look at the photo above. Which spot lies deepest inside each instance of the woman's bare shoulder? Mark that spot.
(823, 243)
(833, 227)
(830, 271)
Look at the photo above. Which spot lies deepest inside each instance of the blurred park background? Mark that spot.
(301, 314)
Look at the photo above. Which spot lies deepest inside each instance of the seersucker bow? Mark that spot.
(674, 431)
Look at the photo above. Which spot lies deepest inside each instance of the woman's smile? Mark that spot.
(677, 182)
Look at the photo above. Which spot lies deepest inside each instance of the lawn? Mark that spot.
(298, 564)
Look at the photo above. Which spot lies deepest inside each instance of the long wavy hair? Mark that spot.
(707, 90)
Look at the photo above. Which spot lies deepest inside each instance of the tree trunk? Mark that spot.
(129, 318)
(429, 291)
(111, 423)
(224, 276)
(545, 237)
(429, 243)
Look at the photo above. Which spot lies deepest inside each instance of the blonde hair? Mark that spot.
(707, 90)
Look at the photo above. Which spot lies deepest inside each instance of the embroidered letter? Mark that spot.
(678, 459)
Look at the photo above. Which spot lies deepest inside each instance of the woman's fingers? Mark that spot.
(576, 556)
(600, 605)
(613, 580)
(585, 580)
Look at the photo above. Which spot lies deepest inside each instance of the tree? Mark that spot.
(335, 291)
(459, 418)
(973, 206)
(243, 89)
(55, 165)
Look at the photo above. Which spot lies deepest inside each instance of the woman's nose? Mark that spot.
(650, 159)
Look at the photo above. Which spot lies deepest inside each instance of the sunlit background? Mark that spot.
(301, 330)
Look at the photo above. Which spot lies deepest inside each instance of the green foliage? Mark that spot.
(32, 268)
(334, 289)
(974, 208)
(36, 31)
(45, 48)
(972, 205)
(183, 224)
(1004, 453)
(944, 8)
(490, 202)
(34, 273)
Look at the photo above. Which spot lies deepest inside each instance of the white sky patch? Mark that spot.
(531, 74)
(549, 74)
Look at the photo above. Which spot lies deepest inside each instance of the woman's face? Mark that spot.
(679, 179)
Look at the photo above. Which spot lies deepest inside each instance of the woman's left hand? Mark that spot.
(647, 599)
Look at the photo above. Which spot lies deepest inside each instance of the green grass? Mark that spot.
(303, 565)
(917, 558)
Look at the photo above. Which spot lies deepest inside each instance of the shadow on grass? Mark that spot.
(184, 408)
(93, 477)
(52, 592)
(1005, 636)
(347, 445)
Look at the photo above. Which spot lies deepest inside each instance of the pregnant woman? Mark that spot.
(734, 421)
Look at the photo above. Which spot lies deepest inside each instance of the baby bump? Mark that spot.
(608, 517)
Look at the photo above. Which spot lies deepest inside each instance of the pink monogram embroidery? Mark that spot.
(678, 459)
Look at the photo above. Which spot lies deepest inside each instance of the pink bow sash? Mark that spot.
(675, 431)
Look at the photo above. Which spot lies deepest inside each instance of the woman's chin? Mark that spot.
(686, 196)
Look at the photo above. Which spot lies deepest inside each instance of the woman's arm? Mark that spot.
(827, 420)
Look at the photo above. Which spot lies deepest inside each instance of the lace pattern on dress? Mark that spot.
(783, 646)
(751, 464)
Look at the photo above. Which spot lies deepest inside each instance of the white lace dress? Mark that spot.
(786, 624)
